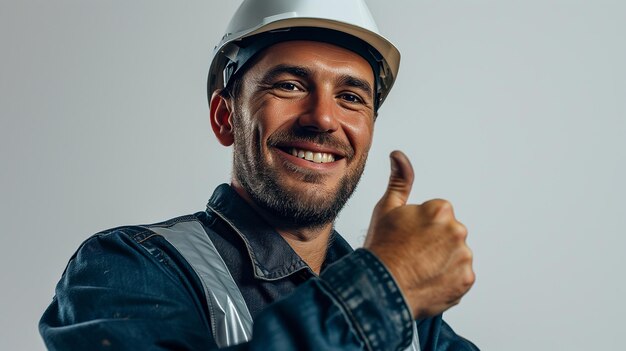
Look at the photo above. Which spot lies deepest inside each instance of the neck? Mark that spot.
(310, 244)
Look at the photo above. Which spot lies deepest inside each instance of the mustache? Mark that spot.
(323, 139)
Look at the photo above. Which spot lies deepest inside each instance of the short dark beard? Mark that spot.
(262, 183)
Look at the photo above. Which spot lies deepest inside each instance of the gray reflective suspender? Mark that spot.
(231, 322)
(415, 344)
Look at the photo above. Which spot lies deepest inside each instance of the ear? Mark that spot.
(220, 119)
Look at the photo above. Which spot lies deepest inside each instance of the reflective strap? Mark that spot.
(231, 322)
(415, 344)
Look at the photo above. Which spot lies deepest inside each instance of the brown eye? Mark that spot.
(351, 98)
(287, 86)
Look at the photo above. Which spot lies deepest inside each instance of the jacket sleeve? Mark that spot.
(114, 295)
(437, 335)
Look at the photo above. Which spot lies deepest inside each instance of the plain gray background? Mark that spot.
(513, 110)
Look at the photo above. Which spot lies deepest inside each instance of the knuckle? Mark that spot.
(469, 256)
(445, 205)
(465, 256)
(469, 279)
(438, 203)
(440, 208)
(459, 230)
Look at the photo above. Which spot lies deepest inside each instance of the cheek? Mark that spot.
(359, 133)
(258, 118)
(248, 133)
(275, 117)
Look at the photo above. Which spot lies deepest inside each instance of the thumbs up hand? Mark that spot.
(423, 246)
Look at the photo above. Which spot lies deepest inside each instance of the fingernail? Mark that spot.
(394, 165)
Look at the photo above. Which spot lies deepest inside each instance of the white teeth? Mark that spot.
(317, 157)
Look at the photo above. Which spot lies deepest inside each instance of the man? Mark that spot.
(294, 87)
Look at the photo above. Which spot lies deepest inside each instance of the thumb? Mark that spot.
(400, 183)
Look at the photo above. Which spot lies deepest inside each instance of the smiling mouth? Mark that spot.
(315, 157)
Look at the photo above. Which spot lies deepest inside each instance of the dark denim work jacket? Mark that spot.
(129, 289)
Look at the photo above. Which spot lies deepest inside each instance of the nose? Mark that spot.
(320, 115)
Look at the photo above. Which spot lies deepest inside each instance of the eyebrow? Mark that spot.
(303, 72)
(358, 83)
(276, 71)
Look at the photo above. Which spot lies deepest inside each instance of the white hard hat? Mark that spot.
(340, 22)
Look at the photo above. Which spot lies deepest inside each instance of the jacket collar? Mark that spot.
(271, 255)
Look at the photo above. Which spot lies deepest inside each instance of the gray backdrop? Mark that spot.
(513, 110)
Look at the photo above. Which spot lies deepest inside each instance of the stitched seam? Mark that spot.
(346, 310)
(146, 238)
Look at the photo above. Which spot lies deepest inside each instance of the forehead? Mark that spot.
(320, 57)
